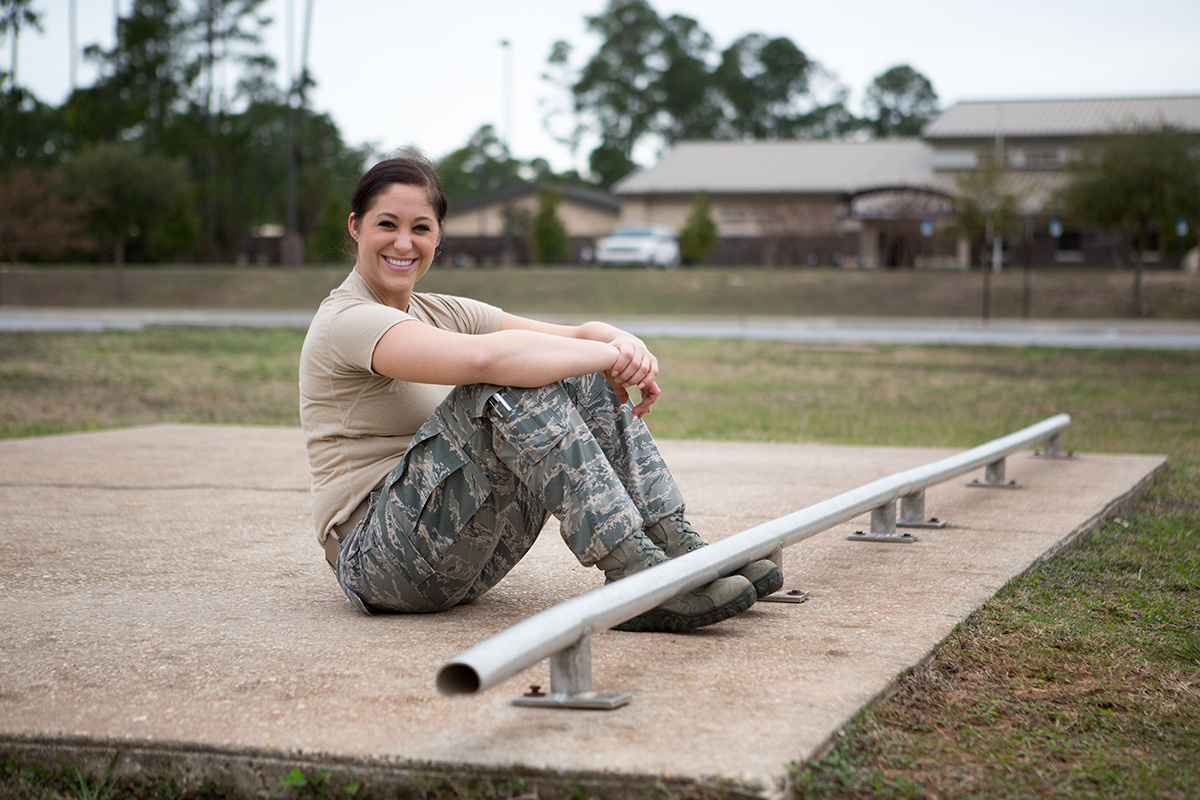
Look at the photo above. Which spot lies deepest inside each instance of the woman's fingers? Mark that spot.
(635, 364)
(618, 388)
(650, 394)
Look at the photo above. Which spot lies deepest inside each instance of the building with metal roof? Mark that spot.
(1074, 119)
(890, 202)
(475, 228)
(798, 166)
(800, 202)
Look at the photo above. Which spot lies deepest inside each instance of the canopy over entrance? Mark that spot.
(900, 203)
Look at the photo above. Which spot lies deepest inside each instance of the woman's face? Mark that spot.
(397, 239)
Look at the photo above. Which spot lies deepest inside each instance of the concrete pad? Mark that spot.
(163, 598)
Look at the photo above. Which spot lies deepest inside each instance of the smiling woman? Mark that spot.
(397, 240)
(442, 432)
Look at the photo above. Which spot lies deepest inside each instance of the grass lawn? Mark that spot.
(1053, 293)
(1081, 679)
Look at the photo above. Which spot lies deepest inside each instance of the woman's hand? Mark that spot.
(635, 366)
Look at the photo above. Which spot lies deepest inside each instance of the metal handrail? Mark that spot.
(563, 632)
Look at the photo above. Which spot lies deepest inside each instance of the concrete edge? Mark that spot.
(257, 773)
(1117, 505)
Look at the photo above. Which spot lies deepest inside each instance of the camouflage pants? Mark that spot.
(479, 480)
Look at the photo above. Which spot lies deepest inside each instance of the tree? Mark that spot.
(656, 80)
(620, 92)
(479, 167)
(550, 240)
(327, 242)
(36, 219)
(900, 102)
(145, 78)
(689, 107)
(250, 181)
(31, 132)
(13, 15)
(221, 28)
(131, 197)
(229, 30)
(191, 82)
(987, 211)
(699, 235)
(1137, 182)
(766, 91)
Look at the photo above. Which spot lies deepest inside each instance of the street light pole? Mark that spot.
(292, 253)
(74, 36)
(507, 256)
(1002, 165)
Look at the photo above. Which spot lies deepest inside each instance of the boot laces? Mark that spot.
(689, 537)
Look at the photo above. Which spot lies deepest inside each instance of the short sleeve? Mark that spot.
(355, 331)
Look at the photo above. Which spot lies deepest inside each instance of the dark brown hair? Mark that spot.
(409, 168)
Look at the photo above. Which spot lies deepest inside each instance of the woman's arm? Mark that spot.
(635, 366)
(419, 353)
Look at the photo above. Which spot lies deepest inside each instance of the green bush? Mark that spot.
(549, 232)
(699, 235)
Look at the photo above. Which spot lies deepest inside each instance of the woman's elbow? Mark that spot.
(483, 366)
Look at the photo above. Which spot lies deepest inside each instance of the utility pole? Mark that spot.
(74, 37)
(507, 255)
(292, 251)
(998, 241)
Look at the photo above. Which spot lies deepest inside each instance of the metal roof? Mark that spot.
(805, 167)
(1087, 117)
(579, 194)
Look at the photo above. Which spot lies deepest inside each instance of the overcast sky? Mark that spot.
(429, 73)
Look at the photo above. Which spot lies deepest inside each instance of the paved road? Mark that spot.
(1119, 334)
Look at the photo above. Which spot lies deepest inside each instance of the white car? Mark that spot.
(647, 246)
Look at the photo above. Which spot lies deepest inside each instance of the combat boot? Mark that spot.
(713, 602)
(676, 536)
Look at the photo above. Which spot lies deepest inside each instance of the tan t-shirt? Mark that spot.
(357, 423)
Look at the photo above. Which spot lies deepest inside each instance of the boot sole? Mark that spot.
(662, 621)
(770, 583)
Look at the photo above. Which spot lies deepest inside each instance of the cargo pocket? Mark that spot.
(532, 421)
(428, 501)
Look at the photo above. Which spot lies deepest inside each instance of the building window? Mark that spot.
(1039, 158)
(954, 160)
(733, 214)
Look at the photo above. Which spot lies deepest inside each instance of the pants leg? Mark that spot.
(474, 490)
(628, 446)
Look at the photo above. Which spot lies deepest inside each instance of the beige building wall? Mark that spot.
(669, 211)
(585, 220)
(485, 221)
(741, 215)
(580, 220)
